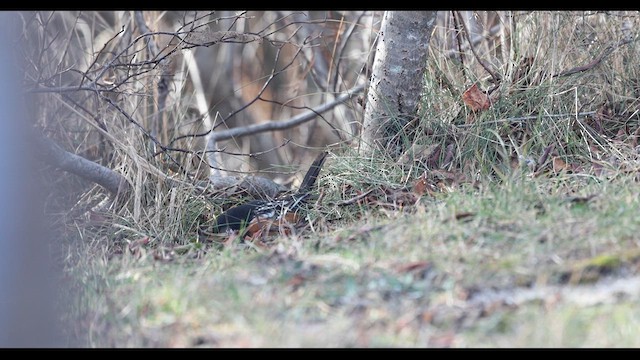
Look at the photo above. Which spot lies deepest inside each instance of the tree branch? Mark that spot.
(341, 49)
(606, 52)
(281, 125)
(55, 155)
(452, 53)
(494, 75)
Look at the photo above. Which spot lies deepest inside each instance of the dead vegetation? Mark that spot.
(516, 193)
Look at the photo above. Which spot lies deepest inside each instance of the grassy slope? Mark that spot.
(395, 279)
(498, 259)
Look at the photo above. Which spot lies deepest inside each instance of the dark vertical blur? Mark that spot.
(27, 281)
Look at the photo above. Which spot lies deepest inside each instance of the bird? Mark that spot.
(255, 217)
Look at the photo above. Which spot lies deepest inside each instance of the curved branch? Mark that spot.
(603, 55)
(487, 67)
(281, 125)
(75, 164)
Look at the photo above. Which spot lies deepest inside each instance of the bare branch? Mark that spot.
(603, 55)
(477, 39)
(60, 158)
(129, 63)
(343, 45)
(456, 28)
(95, 59)
(494, 75)
(281, 125)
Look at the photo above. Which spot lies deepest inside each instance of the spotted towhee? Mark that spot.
(257, 216)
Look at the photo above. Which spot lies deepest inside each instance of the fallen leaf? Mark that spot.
(464, 216)
(545, 155)
(420, 187)
(476, 99)
(296, 281)
(428, 316)
(434, 157)
(448, 155)
(135, 247)
(442, 187)
(415, 266)
(163, 254)
(560, 165)
(445, 340)
(402, 197)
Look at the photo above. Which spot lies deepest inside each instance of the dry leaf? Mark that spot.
(136, 245)
(420, 187)
(476, 99)
(442, 187)
(401, 197)
(445, 340)
(465, 215)
(296, 281)
(415, 266)
(560, 165)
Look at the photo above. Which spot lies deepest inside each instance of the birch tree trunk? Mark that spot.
(397, 79)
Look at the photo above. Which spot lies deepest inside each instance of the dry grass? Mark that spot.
(393, 279)
(397, 268)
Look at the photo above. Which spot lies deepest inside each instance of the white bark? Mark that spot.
(397, 78)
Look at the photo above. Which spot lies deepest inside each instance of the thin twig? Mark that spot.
(532, 117)
(98, 121)
(144, 131)
(165, 76)
(494, 75)
(212, 140)
(355, 199)
(271, 125)
(95, 60)
(606, 52)
(272, 76)
(342, 47)
(474, 41)
(458, 32)
(199, 155)
(142, 25)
